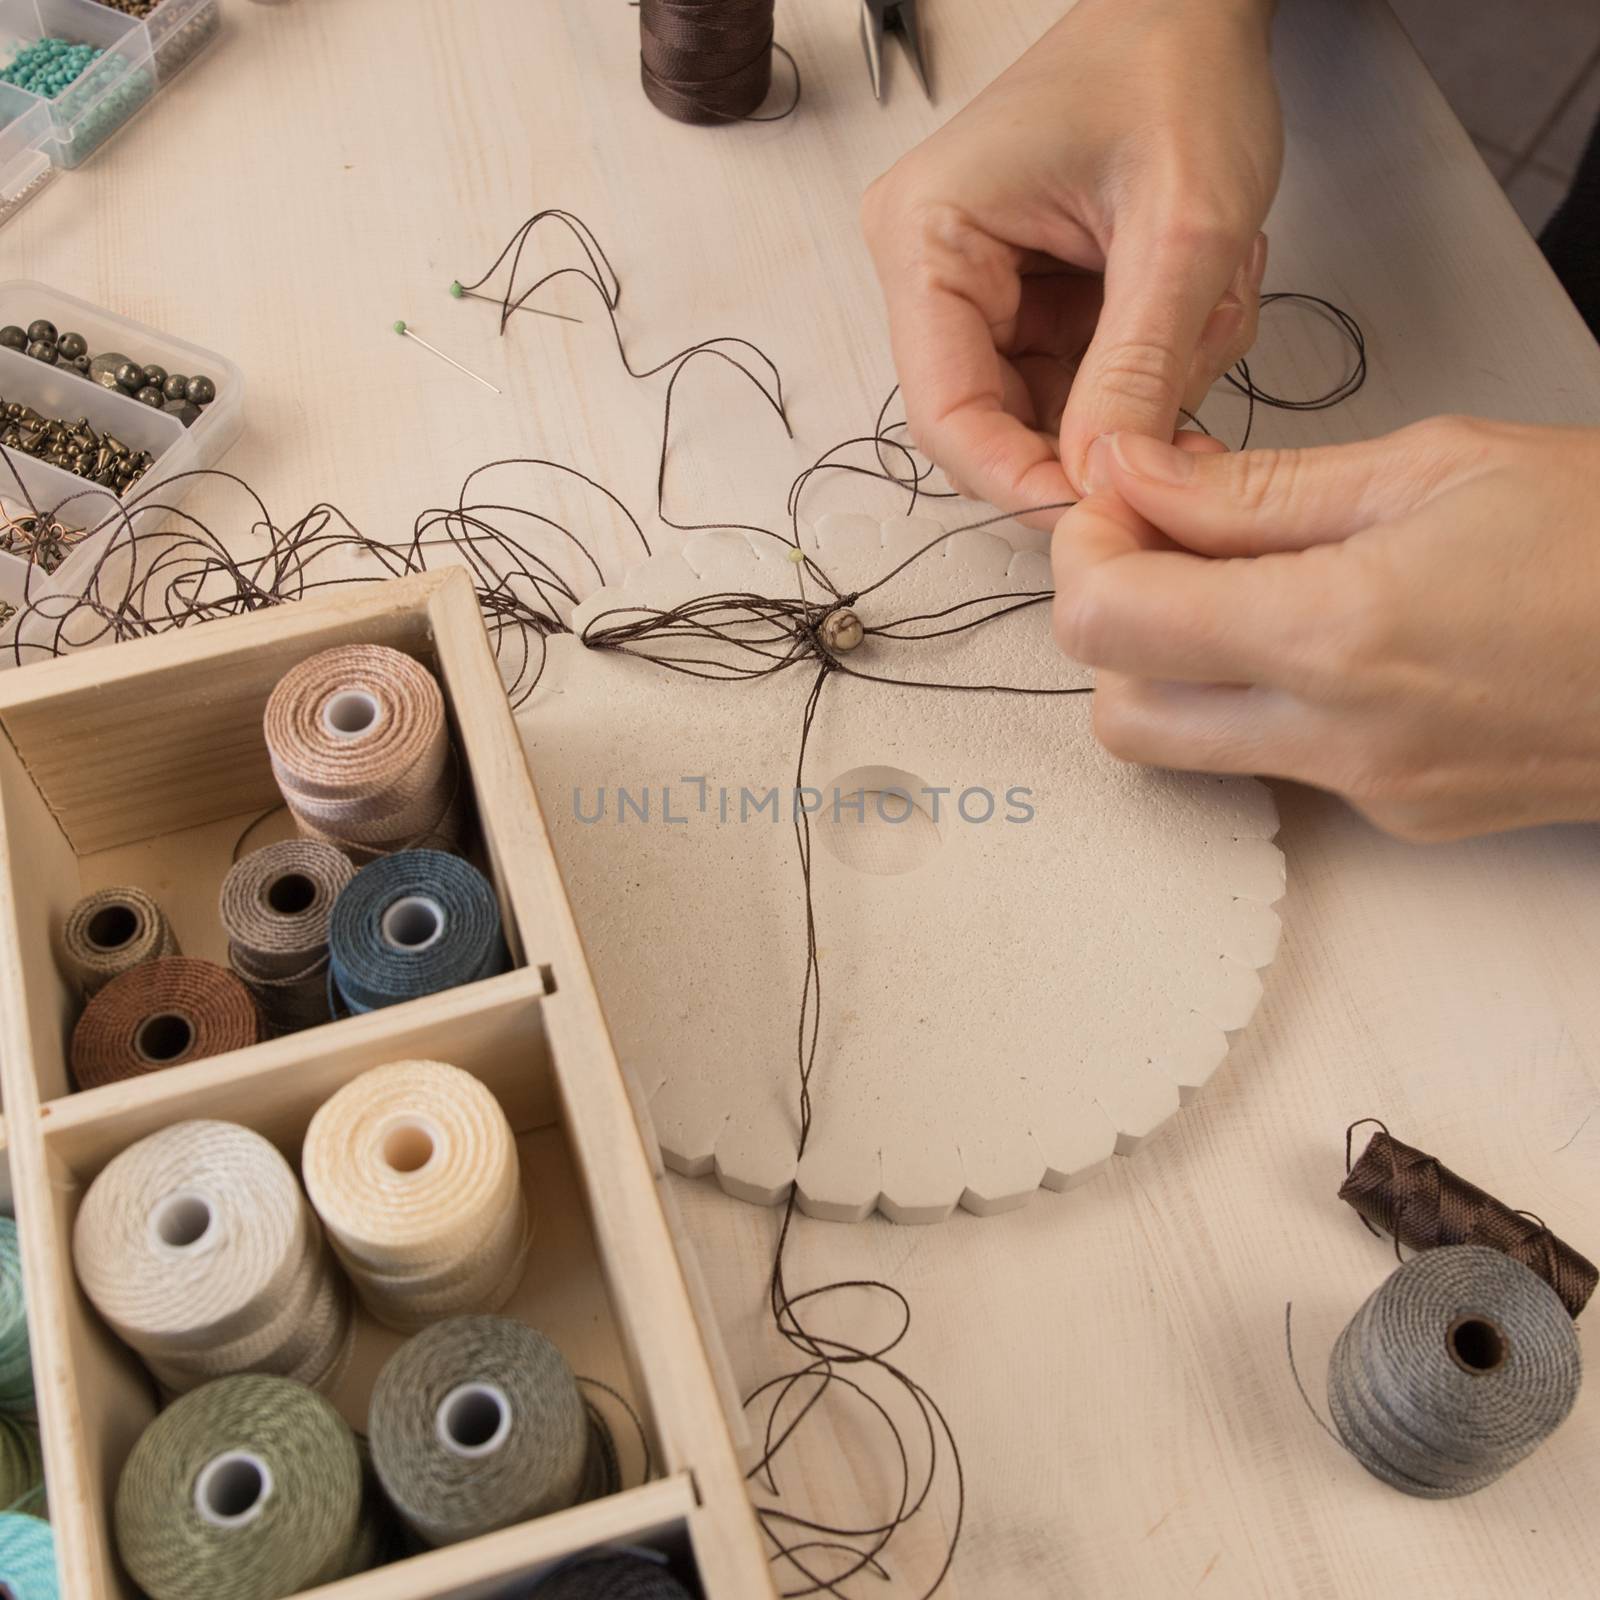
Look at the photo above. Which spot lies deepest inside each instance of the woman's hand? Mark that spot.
(1077, 252)
(1413, 623)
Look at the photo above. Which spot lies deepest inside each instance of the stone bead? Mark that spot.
(13, 338)
(155, 375)
(41, 330)
(151, 396)
(43, 350)
(201, 391)
(72, 345)
(176, 387)
(130, 376)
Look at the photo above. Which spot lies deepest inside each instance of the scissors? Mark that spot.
(879, 17)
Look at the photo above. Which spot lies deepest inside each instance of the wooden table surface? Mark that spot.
(1112, 1359)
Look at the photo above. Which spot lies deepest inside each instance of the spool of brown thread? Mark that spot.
(1422, 1204)
(160, 1015)
(112, 931)
(706, 60)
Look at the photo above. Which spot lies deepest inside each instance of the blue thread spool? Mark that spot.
(414, 923)
(28, 1558)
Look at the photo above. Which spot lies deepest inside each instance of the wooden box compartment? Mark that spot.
(144, 764)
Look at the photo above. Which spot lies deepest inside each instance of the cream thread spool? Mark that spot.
(361, 750)
(413, 1169)
(198, 1249)
(112, 931)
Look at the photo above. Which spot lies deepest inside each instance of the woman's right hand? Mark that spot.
(1077, 252)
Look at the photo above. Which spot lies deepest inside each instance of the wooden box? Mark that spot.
(144, 764)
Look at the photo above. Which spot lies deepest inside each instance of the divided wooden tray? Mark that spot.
(144, 764)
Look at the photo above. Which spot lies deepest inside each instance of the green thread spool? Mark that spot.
(616, 1575)
(247, 1489)
(16, 1370)
(21, 1468)
(477, 1424)
(28, 1558)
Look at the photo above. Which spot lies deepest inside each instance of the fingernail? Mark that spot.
(1149, 458)
(1256, 266)
(1097, 465)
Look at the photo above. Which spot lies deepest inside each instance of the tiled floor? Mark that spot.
(1524, 76)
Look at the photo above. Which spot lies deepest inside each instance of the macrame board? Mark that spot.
(1028, 1000)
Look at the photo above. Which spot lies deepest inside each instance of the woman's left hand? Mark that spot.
(1413, 622)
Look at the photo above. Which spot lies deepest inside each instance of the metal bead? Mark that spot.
(130, 376)
(841, 631)
(201, 391)
(82, 364)
(151, 396)
(156, 375)
(72, 345)
(43, 350)
(42, 330)
(13, 338)
(104, 368)
(176, 386)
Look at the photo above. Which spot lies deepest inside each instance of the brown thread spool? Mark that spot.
(1414, 1197)
(361, 750)
(112, 931)
(706, 61)
(159, 1015)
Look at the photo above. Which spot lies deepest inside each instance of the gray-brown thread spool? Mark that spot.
(275, 905)
(112, 931)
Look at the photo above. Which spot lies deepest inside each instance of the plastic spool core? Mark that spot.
(351, 713)
(410, 1145)
(111, 927)
(181, 1221)
(414, 923)
(473, 1420)
(1476, 1345)
(291, 894)
(163, 1037)
(232, 1489)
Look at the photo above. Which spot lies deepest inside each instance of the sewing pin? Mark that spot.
(457, 292)
(401, 328)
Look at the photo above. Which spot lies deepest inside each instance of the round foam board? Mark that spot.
(1026, 975)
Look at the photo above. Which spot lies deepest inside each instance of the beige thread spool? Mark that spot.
(413, 1169)
(361, 750)
(275, 906)
(112, 931)
(198, 1249)
(161, 1014)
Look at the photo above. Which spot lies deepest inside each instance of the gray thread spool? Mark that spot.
(1462, 1363)
(112, 931)
(477, 1424)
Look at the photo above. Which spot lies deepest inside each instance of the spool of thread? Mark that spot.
(197, 1247)
(28, 1558)
(16, 1366)
(111, 932)
(160, 1015)
(248, 1489)
(1414, 1197)
(616, 1575)
(275, 906)
(1460, 1365)
(477, 1424)
(412, 924)
(706, 60)
(413, 1169)
(21, 1469)
(361, 750)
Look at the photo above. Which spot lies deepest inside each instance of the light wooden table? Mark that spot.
(1112, 1359)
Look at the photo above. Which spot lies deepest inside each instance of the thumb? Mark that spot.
(1255, 501)
(1160, 292)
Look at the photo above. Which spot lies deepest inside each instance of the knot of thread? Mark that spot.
(361, 750)
(619, 1576)
(1461, 1364)
(413, 1169)
(291, 1514)
(477, 1424)
(16, 1370)
(158, 1015)
(198, 1249)
(28, 1557)
(1422, 1204)
(112, 931)
(412, 924)
(706, 60)
(275, 906)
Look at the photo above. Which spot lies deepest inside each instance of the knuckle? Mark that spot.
(1264, 477)
(1079, 621)
(1140, 372)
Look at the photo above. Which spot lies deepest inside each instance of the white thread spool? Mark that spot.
(352, 714)
(181, 1221)
(474, 1420)
(410, 1145)
(414, 923)
(232, 1489)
